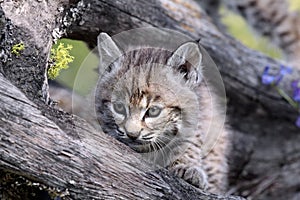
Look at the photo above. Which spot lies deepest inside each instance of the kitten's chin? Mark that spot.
(137, 145)
(145, 148)
(149, 147)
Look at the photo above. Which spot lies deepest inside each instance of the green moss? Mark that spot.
(17, 48)
(60, 57)
(84, 67)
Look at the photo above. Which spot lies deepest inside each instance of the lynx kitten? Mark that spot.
(155, 100)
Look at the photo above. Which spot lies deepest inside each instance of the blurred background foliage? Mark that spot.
(294, 5)
(236, 26)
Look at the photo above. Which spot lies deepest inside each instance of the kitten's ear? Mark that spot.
(187, 59)
(108, 51)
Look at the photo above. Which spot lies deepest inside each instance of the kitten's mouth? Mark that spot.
(131, 142)
(146, 144)
(142, 146)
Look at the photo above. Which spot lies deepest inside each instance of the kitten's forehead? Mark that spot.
(144, 56)
(145, 84)
(143, 77)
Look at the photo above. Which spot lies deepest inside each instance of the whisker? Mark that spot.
(160, 145)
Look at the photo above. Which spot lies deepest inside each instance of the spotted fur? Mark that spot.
(154, 101)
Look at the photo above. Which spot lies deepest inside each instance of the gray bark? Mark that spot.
(53, 150)
(89, 167)
(43, 144)
(264, 160)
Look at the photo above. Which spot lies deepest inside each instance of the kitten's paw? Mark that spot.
(194, 175)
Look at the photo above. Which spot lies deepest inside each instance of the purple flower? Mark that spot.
(298, 121)
(285, 70)
(268, 79)
(295, 84)
(296, 88)
(296, 95)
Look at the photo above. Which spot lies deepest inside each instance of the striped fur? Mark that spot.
(142, 80)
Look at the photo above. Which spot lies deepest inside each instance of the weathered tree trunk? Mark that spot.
(42, 144)
(90, 167)
(265, 145)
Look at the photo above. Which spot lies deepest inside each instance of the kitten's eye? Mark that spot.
(154, 111)
(119, 108)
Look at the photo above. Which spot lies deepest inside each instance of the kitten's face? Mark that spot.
(143, 107)
(146, 99)
(146, 112)
(149, 106)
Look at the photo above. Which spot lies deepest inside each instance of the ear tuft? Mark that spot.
(187, 60)
(108, 51)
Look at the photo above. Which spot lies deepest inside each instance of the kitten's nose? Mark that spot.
(133, 135)
(133, 127)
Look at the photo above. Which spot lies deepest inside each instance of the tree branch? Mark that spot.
(50, 147)
(240, 67)
(60, 150)
(93, 166)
